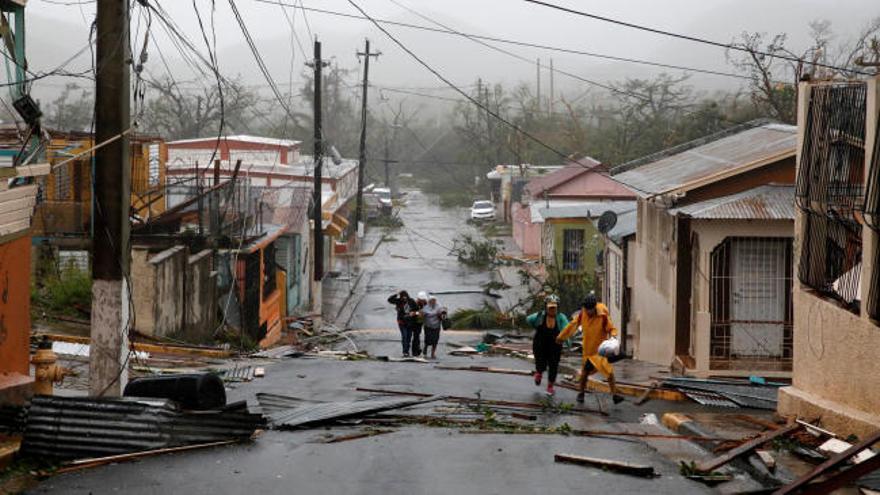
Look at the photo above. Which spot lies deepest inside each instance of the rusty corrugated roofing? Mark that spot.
(668, 171)
(767, 202)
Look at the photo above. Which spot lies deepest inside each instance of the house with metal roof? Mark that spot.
(712, 254)
(580, 184)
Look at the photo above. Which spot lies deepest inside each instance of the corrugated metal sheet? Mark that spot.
(82, 427)
(767, 202)
(708, 399)
(678, 166)
(274, 403)
(751, 396)
(310, 415)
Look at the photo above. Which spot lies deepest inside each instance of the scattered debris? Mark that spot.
(112, 459)
(464, 351)
(835, 446)
(767, 458)
(617, 466)
(815, 430)
(726, 392)
(646, 395)
(259, 372)
(356, 436)
(317, 414)
(712, 464)
(486, 369)
(526, 417)
(836, 480)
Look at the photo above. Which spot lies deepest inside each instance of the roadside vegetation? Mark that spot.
(67, 292)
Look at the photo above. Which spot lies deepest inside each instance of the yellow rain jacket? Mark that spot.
(596, 329)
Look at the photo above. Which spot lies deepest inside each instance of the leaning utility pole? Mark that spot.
(318, 250)
(362, 158)
(111, 291)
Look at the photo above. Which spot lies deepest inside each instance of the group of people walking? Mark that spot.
(414, 314)
(599, 340)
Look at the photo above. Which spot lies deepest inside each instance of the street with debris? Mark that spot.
(470, 423)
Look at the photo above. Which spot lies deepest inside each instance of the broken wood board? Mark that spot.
(835, 446)
(356, 436)
(317, 414)
(712, 464)
(616, 466)
(146, 347)
(100, 461)
(631, 389)
(487, 369)
(767, 458)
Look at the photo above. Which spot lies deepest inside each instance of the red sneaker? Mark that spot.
(550, 390)
(538, 377)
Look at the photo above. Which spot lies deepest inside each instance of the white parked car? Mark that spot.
(483, 210)
(384, 195)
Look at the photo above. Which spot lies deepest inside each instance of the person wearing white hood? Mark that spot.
(433, 315)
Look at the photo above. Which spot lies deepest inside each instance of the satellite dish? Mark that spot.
(607, 221)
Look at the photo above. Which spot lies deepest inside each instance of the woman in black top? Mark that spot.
(407, 321)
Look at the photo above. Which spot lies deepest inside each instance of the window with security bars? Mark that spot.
(831, 190)
(572, 249)
(871, 215)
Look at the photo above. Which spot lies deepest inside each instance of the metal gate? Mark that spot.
(750, 302)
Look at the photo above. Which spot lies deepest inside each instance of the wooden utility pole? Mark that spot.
(318, 250)
(362, 157)
(111, 315)
(538, 82)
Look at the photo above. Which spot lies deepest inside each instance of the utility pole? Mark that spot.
(538, 79)
(318, 250)
(551, 89)
(110, 317)
(362, 158)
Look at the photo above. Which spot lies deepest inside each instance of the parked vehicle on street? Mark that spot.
(384, 196)
(483, 210)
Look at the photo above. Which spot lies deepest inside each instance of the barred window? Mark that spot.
(831, 190)
(572, 250)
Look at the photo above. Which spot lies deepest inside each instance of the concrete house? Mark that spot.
(837, 259)
(713, 251)
(583, 183)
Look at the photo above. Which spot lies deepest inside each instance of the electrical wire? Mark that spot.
(539, 46)
(727, 46)
(456, 88)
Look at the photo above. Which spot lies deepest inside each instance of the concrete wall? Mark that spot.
(169, 268)
(654, 282)
(174, 294)
(201, 298)
(526, 235)
(710, 234)
(837, 352)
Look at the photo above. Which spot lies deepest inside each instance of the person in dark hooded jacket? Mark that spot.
(407, 321)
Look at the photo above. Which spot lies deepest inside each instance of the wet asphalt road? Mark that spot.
(417, 258)
(412, 459)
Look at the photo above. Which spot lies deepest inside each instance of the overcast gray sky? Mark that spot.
(57, 31)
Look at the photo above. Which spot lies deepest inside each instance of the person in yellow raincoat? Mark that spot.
(597, 327)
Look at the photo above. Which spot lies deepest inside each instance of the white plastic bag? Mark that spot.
(610, 347)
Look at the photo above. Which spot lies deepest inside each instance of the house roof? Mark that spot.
(243, 138)
(626, 226)
(767, 202)
(714, 157)
(587, 210)
(547, 182)
(526, 169)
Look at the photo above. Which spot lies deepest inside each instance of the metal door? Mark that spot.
(758, 284)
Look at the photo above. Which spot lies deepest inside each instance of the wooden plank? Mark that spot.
(33, 170)
(152, 348)
(713, 464)
(15, 227)
(834, 462)
(617, 466)
(15, 216)
(18, 193)
(767, 458)
(100, 461)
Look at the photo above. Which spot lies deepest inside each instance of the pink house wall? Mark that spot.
(526, 235)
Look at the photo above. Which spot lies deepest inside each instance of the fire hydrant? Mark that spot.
(46, 372)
